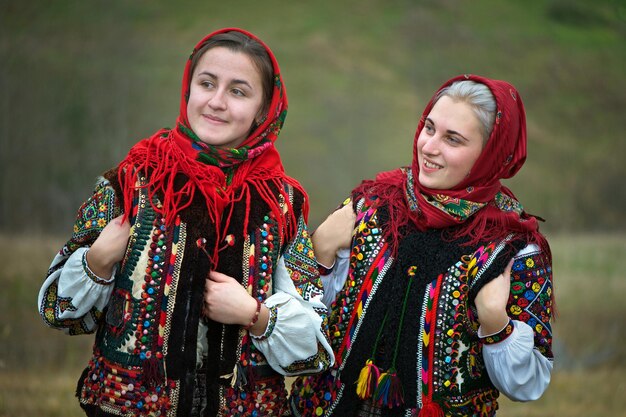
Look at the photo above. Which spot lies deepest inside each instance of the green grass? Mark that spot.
(39, 366)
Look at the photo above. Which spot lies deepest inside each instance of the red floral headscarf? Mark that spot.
(220, 175)
(484, 208)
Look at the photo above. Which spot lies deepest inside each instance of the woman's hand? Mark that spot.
(491, 302)
(109, 248)
(333, 234)
(227, 301)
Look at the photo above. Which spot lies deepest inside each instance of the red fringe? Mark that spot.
(390, 188)
(160, 160)
(488, 224)
(152, 372)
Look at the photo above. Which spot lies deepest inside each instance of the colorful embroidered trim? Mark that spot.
(92, 276)
(500, 336)
(273, 316)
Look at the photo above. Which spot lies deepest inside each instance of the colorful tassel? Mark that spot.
(431, 409)
(389, 392)
(367, 382)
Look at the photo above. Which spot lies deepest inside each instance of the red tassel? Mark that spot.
(251, 377)
(152, 374)
(431, 409)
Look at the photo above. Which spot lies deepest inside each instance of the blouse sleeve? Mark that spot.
(335, 279)
(296, 338)
(519, 358)
(72, 298)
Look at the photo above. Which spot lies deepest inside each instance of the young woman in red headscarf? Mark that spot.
(441, 295)
(191, 260)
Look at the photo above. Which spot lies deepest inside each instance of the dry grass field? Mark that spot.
(39, 366)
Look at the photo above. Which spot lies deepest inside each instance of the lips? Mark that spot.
(213, 119)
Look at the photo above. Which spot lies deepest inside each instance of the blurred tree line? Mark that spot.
(80, 82)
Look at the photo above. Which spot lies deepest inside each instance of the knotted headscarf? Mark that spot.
(484, 209)
(221, 175)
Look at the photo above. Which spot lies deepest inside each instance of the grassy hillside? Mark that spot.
(82, 81)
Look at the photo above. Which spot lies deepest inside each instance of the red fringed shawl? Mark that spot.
(501, 158)
(222, 176)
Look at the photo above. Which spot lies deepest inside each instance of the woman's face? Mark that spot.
(225, 97)
(448, 145)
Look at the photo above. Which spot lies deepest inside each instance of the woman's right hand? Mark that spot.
(109, 248)
(333, 234)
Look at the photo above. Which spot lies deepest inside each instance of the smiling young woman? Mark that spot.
(449, 144)
(225, 97)
(439, 284)
(191, 261)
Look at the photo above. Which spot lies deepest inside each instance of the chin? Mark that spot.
(210, 141)
(427, 182)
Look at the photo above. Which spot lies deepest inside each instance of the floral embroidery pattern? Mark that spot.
(530, 300)
(500, 336)
(301, 263)
(94, 215)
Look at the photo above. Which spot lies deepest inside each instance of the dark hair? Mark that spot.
(239, 42)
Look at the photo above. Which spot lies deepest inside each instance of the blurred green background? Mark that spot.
(81, 81)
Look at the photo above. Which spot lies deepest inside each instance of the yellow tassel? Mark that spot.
(366, 384)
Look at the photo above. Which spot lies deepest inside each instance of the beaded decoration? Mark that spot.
(263, 246)
(446, 361)
(365, 272)
(133, 380)
(450, 373)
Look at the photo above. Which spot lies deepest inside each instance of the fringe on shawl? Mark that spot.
(390, 191)
(488, 224)
(161, 162)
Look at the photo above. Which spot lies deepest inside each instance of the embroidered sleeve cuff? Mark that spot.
(270, 325)
(94, 277)
(499, 336)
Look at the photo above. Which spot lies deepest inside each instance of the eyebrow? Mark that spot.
(452, 132)
(235, 81)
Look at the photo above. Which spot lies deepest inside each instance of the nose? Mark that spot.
(430, 144)
(217, 101)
